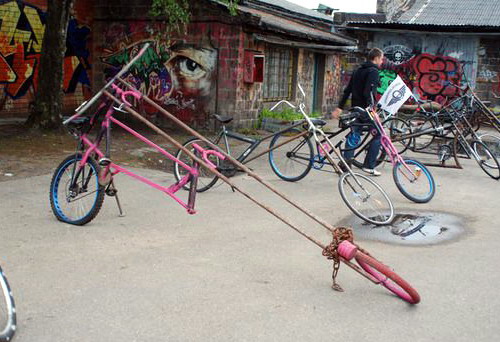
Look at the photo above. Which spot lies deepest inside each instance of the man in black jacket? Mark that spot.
(363, 88)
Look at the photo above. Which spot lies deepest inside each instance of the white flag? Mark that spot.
(395, 96)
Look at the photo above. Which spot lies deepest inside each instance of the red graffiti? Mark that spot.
(433, 75)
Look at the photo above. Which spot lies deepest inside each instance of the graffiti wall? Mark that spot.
(429, 64)
(22, 26)
(177, 75)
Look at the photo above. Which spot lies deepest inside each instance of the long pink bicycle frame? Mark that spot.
(93, 147)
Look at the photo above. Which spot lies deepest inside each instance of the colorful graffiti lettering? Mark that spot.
(178, 76)
(434, 73)
(429, 76)
(21, 34)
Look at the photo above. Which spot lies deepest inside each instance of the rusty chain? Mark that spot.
(331, 251)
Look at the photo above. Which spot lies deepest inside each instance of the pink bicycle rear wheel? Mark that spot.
(388, 278)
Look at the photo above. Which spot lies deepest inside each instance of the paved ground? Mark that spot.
(234, 273)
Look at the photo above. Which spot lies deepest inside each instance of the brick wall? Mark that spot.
(22, 25)
(488, 70)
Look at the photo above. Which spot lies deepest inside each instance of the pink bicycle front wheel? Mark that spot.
(388, 278)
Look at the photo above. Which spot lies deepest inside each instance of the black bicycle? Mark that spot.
(7, 310)
(208, 179)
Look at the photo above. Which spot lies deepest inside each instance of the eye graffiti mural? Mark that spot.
(178, 76)
(22, 26)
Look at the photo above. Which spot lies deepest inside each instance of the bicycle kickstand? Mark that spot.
(113, 192)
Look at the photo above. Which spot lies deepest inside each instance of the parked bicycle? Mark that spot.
(7, 310)
(81, 181)
(412, 178)
(293, 161)
(222, 139)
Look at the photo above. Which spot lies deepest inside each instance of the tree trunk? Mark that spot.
(47, 110)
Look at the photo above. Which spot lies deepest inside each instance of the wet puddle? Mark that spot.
(412, 228)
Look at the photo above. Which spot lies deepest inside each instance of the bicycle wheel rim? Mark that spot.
(493, 143)
(291, 161)
(81, 207)
(388, 278)
(488, 163)
(206, 178)
(397, 128)
(414, 181)
(418, 124)
(7, 310)
(366, 199)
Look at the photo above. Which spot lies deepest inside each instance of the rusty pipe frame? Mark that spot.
(244, 168)
(217, 173)
(229, 182)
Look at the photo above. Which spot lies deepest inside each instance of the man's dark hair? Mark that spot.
(374, 53)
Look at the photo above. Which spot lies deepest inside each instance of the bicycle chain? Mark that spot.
(331, 251)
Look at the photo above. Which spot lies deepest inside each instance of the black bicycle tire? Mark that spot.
(92, 213)
(355, 210)
(177, 175)
(402, 189)
(369, 263)
(481, 165)
(7, 331)
(425, 119)
(409, 141)
(304, 140)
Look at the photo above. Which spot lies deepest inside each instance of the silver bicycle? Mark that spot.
(362, 195)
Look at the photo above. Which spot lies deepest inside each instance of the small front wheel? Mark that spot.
(414, 181)
(366, 198)
(293, 160)
(7, 310)
(388, 278)
(75, 193)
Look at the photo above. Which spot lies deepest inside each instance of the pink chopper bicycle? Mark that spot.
(412, 178)
(80, 182)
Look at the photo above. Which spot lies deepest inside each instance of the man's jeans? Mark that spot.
(354, 138)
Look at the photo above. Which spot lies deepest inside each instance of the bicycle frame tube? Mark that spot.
(93, 148)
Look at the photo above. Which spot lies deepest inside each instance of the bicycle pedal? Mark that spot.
(104, 161)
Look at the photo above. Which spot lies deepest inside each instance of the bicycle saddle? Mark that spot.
(223, 119)
(318, 122)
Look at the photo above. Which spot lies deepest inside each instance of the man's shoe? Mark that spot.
(371, 172)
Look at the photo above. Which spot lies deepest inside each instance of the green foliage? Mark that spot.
(287, 114)
(175, 14)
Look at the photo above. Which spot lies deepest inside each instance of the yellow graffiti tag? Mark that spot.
(10, 13)
(36, 26)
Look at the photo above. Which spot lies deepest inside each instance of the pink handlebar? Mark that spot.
(206, 153)
(124, 93)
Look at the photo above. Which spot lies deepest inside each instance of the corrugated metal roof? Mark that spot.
(281, 24)
(452, 13)
(295, 8)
